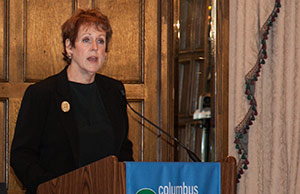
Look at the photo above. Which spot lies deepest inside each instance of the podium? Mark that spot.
(108, 176)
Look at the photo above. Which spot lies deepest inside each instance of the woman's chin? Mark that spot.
(94, 69)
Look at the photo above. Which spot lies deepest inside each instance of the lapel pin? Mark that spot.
(65, 106)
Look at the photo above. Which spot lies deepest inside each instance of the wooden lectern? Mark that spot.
(107, 176)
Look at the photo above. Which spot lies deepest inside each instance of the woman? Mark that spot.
(76, 116)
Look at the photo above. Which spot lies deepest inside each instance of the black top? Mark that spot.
(96, 138)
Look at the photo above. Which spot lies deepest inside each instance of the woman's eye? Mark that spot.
(85, 40)
(100, 41)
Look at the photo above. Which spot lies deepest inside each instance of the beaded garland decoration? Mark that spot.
(242, 129)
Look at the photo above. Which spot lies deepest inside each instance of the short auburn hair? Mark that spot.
(84, 17)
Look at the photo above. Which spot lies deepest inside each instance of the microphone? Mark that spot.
(191, 154)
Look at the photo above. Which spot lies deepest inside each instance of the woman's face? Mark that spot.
(88, 54)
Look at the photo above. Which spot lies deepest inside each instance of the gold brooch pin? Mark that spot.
(65, 106)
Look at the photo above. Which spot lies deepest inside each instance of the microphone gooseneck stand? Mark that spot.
(191, 154)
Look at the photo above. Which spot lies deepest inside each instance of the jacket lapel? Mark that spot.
(66, 114)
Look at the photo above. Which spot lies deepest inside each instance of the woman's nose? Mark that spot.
(94, 45)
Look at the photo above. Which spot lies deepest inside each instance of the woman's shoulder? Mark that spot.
(107, 79)
(46, 85)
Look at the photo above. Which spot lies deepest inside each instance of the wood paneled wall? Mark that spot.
(31, 47)
(222, 85)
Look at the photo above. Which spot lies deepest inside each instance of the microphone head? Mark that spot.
(122, 92)
(193, 156)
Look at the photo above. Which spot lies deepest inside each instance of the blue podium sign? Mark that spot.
(173, 178)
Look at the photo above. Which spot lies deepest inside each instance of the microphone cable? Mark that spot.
(191, 154)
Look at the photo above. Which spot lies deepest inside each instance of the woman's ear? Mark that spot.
(68, 47)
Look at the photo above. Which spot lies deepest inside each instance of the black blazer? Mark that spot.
(45, 143)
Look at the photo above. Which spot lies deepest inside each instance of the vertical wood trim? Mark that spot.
(151, 80)
(142, 41)
(142, 146)
(222, 79)
(170, 80)
(159, 115)
(74, 6)
(6, 42)
(6, 139)
(15, 41)
(24, 39)
(167, 79)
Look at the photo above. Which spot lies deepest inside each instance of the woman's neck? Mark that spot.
(79, 77)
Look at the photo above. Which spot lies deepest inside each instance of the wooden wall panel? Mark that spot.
(152, 139)
(136, 129)
(167, 78)
(43, 42)
(14, 185)
(126, 48)
(222, 90)
(135, 57)
(84, 4)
